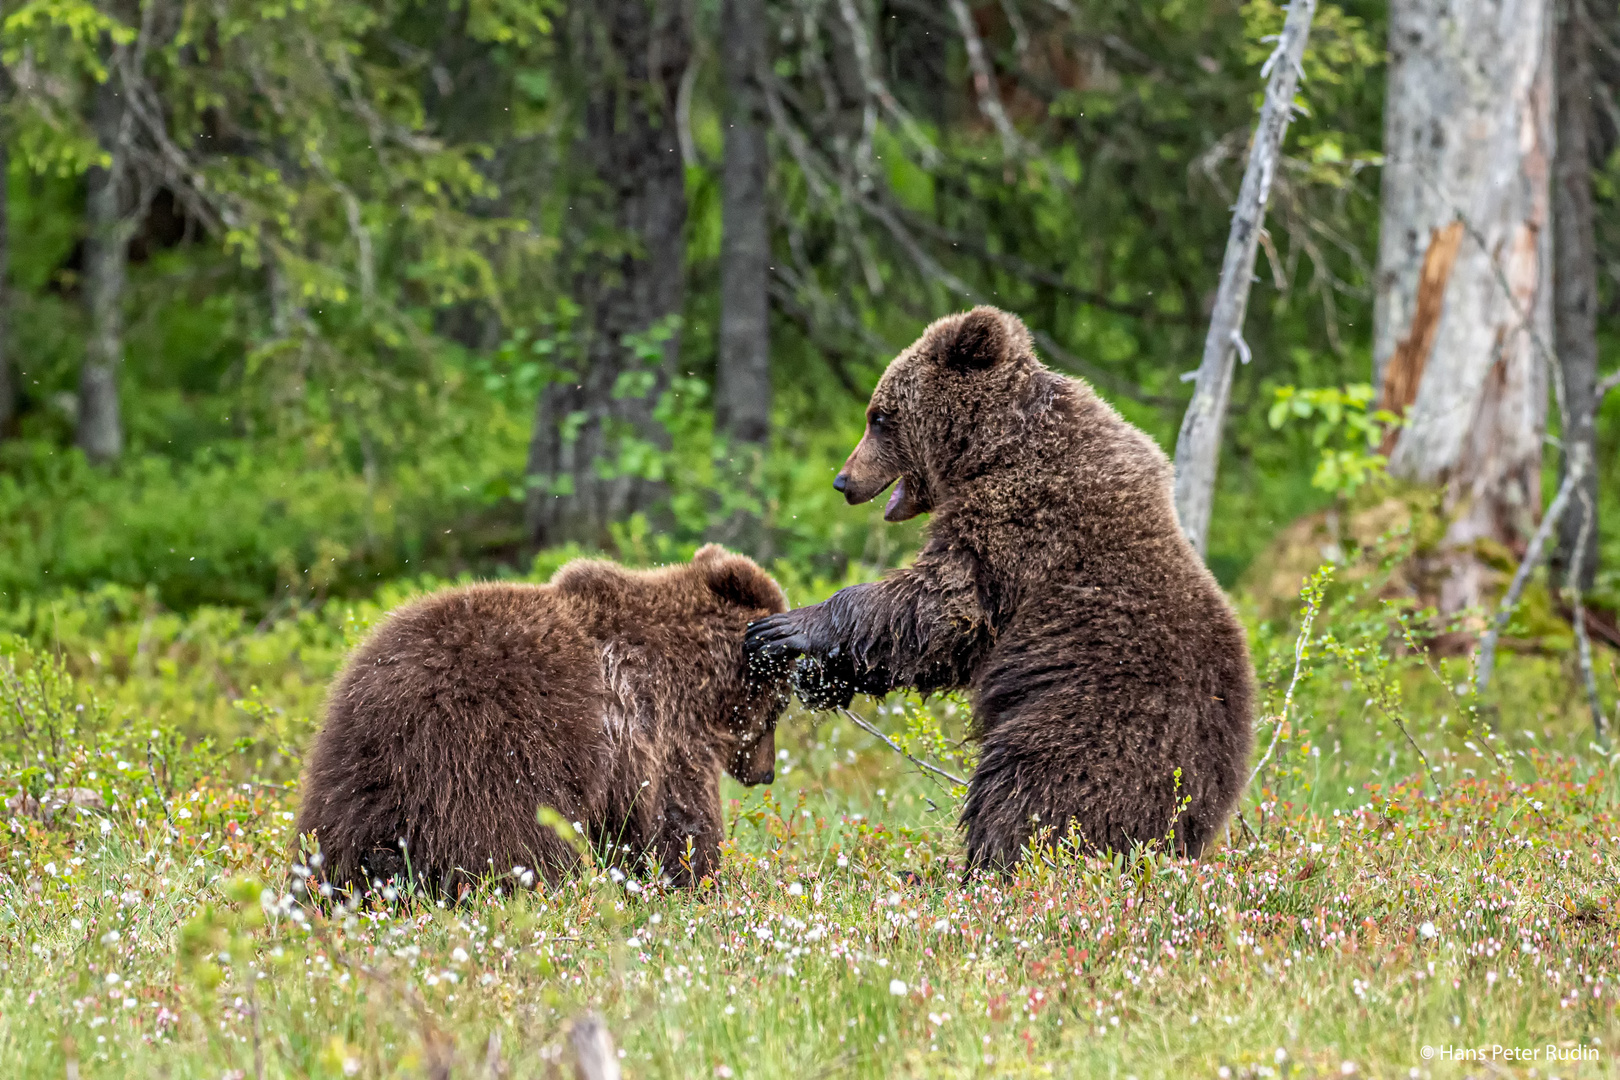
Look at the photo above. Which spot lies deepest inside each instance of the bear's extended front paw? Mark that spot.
(819, 687)
(775, 640)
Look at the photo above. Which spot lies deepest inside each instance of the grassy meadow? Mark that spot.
(1403, 877)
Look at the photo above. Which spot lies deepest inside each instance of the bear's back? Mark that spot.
(462, 713)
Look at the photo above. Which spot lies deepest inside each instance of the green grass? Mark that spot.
(1358, 914)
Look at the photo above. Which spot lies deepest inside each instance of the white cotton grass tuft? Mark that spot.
(897, 987)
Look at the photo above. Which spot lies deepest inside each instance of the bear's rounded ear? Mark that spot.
(981, 341)
(738, 580)
(709, 553)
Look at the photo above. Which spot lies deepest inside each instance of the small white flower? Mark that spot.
(843, 860)
(459, 955)
(1347, 1067)
(1427, 930)
(183, 813)
(897, 987)
(351, 1066)
(723, 1072)
(1280, 1056)
(634, 943)
(795, 889)
(106, 826)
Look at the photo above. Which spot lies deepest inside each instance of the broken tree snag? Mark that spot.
(1198, 448)
(1405, 369)
(1469, 138)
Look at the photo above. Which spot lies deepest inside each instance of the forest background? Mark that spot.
(349, 258)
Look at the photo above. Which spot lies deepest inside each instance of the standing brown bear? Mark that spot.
(1055, 585)
(616, 697)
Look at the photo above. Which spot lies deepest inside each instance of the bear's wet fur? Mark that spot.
(615, 697)
(1055, 586)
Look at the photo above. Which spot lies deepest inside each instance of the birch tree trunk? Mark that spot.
(1462, 348)
(742, 392)
(589, 455)
(106, 252)
(1198, 448)
(1575, 297)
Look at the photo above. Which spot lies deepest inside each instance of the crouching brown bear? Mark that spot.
(1054, 585)
(616, 697)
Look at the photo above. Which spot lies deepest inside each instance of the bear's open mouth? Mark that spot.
(903, 503)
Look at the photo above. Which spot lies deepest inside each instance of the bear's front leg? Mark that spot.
(923, 627)
(827, 673)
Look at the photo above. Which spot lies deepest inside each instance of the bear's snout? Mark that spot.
(840, 481)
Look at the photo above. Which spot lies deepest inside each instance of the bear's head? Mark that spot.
(944, 409)
(742, 592)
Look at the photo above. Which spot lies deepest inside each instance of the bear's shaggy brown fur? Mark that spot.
(1055, 585)
(613, 696)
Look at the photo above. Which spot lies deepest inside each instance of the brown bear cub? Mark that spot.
(1055, 585)
(615, 697)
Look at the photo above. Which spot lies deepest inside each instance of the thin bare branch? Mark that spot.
(984, 82)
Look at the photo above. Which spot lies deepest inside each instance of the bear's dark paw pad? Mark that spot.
(818, 688)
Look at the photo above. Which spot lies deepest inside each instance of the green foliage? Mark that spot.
(1346, 432)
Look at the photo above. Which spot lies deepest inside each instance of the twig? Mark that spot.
(1583, 641)
(1199, 441)
(984, 82)
(1312, 606)
(897, 748)
(1532, 558)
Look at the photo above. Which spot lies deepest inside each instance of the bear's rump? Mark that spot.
(454, 749)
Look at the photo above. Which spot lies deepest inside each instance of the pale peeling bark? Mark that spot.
(1198, 447)
(1469, 139)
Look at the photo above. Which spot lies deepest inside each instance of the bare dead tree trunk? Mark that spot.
(1198, 449)
(106, 251)
(592, 427)
(742, 392)
(1468, 144)
(1575, 297)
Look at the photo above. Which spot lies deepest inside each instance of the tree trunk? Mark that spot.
(106, 252)
(8, 381)
(1468, 139)
(1198, 447)
(742, 398)
(588, 460)
(1575, 286)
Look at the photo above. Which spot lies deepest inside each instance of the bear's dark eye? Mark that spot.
(878, 421)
